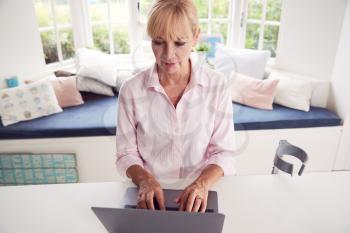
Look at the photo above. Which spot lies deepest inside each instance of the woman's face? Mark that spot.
(172, 55)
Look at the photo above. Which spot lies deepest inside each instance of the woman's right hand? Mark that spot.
(149, 188)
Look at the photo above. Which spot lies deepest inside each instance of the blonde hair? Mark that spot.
(168, 15)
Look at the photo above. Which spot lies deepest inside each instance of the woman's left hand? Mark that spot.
(194, 198)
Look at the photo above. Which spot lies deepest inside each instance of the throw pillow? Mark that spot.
(97, 65)
(293, 93)
(253, 92)
(92, 85)
(66, 91)
(63, 73)
(245, 61)
(28, 102)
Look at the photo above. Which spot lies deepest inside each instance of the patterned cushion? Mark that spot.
(28, 102)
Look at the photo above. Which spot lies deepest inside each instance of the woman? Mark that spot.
(175, 118)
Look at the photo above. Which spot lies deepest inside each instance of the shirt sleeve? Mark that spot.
(221, 148)
(127, 153)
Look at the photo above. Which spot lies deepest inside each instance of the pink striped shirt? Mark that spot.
(176, 142)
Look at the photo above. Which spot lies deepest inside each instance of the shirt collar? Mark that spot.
(152, 79)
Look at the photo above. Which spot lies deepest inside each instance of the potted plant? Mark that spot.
(202, 50)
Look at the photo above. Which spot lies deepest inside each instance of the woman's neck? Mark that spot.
(182, 77)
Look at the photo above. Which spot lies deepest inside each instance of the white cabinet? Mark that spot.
(255, 150)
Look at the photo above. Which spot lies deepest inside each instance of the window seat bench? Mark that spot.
(89, 130)
(98, 118)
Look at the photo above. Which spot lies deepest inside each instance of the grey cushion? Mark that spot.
(92, 85)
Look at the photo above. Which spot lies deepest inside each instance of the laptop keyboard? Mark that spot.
(166, 208)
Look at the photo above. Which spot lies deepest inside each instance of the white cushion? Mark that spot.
(244, 61)
(96, 65)
(320, 88)
(292, 93)
(27, 102)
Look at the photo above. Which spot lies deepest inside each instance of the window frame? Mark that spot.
(210, 20)
(109, 23)
(55, 28)
(243, 19)
(82, 34)
(82, 30)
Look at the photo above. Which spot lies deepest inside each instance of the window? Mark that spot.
(55, 29)
(262, 23)
(145, 7)
(214, 16)
(118, 26)
(109, 21)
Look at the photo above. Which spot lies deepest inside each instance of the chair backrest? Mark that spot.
(287, 149)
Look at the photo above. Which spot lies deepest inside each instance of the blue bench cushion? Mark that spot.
(248, 118)
(98, 118)
(93, 118)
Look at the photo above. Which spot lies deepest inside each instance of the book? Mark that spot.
(38, 176)
(22, 160)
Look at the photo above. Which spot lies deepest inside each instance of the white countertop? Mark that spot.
(314, 202)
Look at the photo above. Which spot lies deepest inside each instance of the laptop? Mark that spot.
(133, 220)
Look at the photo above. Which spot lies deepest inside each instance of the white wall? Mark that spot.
(343, 155)
(21, 53)
(340, 94)
(309, 36)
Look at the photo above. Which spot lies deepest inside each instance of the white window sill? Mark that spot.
(67, 65)
(123, 62)
(271, 64)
